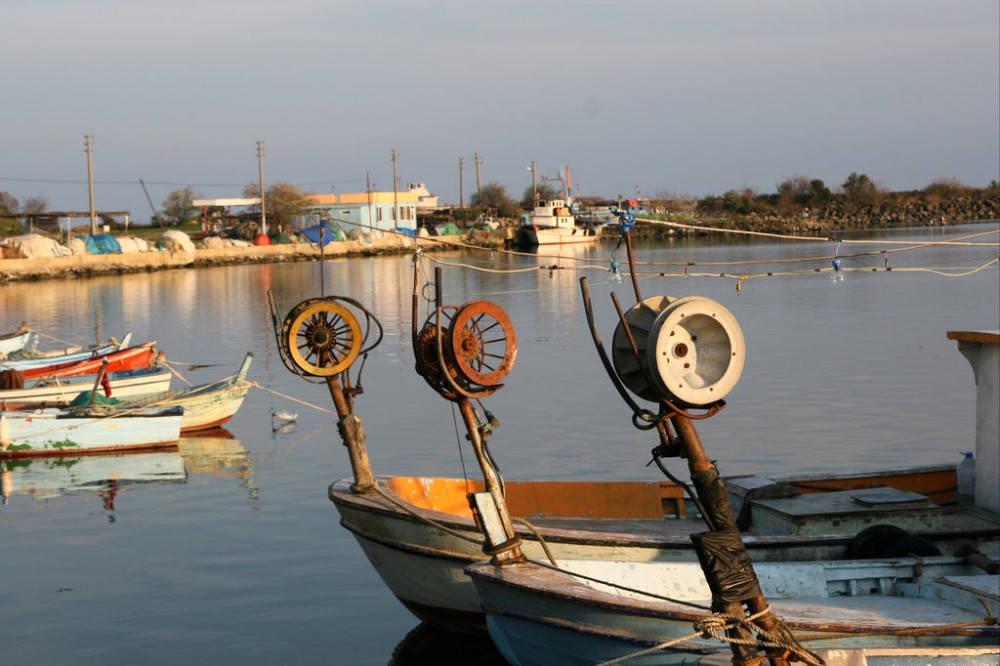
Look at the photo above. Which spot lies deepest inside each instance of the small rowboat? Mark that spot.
(69, 354)
(132, 358)
(62, 391)
(206, 406)
(18, 340)
(60, 432)
(907, 610)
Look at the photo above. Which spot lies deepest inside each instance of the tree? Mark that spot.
(38, 204)
(9, 205)
(178, 207)
(493, 196)
(543, 191)
(860, 190)
(283, 201)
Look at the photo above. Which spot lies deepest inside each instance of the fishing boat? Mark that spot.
(907, 610)
(206, 406)
(59, 392)
(551, 222)
(17, 340)
(867, 604)
(65, 355)
(53, 431)
(130, 358)
(420, 532)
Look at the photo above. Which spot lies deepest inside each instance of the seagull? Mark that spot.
(281, 417)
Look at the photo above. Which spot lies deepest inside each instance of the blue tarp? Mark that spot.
(101, 244)
(332, 233)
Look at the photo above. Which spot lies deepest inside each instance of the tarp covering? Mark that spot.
(30, 246)
(174, 240)
(101, 244)
(332, 233)
(217, 242)
(131, 244)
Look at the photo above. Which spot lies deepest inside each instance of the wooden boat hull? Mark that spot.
(15, 342)
(540, 615)
(419, 534)
(57, 432)
(133, 358)
(206, 406)
(66, 356)
(60, 392)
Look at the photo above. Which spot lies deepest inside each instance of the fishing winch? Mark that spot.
(466, 350)
(688, 351)
(322, 337)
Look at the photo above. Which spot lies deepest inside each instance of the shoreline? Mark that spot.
(90, 265)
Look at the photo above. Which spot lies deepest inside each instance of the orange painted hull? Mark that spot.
(133, 358)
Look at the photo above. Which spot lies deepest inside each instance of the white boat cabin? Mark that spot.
(550, 214)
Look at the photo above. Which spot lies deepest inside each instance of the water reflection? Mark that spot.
(427, 645)
(215, 452)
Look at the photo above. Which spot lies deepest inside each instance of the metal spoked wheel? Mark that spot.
(322, 337)
(483, 343)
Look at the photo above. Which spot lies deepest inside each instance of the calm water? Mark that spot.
(235, 556)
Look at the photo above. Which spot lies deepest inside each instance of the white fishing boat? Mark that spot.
(62, 391)
(912, 606)
(17, 340)
(901, 611)
(65, 432)
(552, 223)
(419, 532)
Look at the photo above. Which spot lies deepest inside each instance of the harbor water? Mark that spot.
(229, 552)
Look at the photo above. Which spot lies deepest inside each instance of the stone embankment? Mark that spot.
(87, 265)
(836, 217)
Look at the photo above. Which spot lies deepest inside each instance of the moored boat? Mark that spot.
(206, 406)
(59, 392)
(131, 358)
(61, 432)
(552, 223)
(419, 532)
(17, 340)
(899, 607)
(912, 610)
(68, 354)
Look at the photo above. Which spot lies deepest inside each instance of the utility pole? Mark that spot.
(368, 186)
(479, 182)
(395, 187)
(534, 186)
(461, 182)
(89, 143)
(260, 169)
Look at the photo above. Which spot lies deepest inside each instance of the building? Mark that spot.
(369, 210)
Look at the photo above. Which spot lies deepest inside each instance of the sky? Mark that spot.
(665, 97)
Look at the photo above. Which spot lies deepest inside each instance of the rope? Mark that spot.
(288, 397)
(541, 539)
(716, 625)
